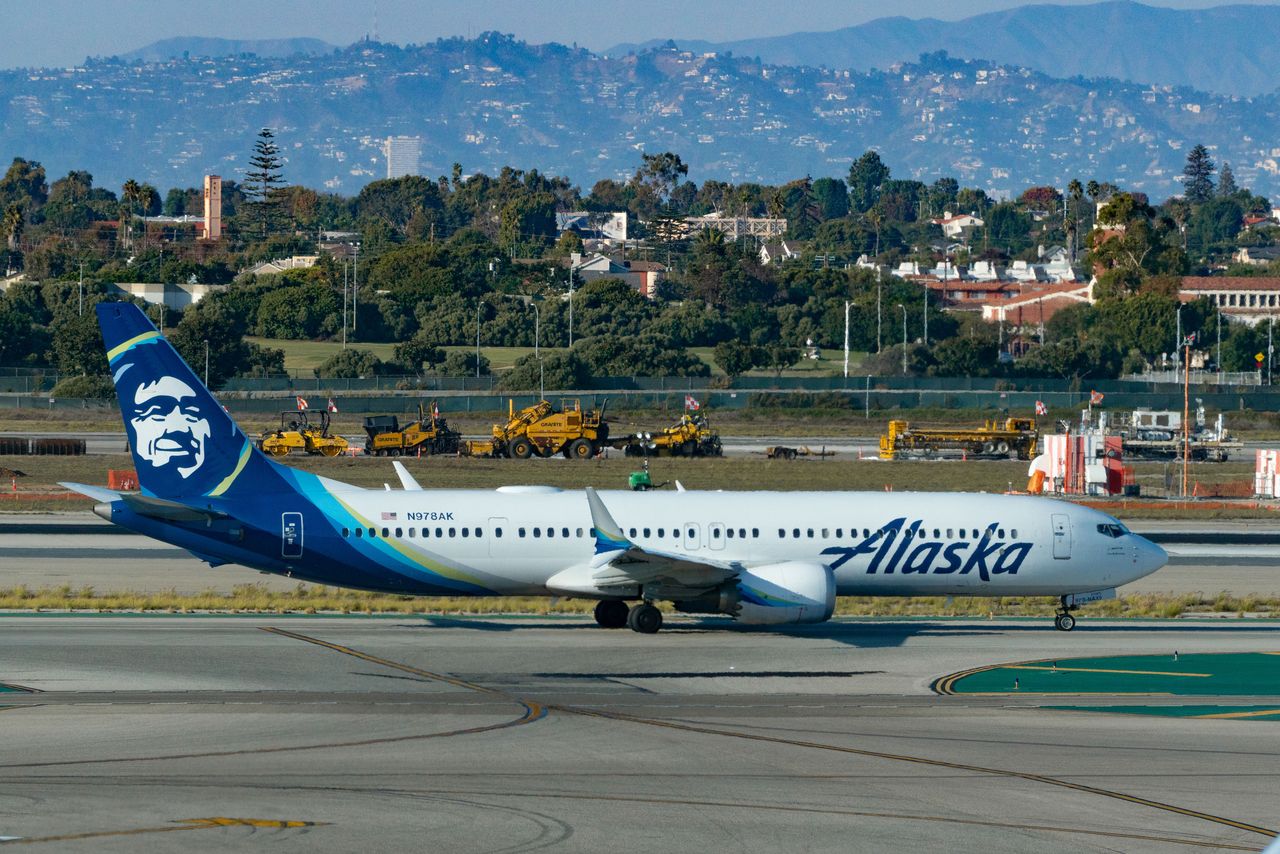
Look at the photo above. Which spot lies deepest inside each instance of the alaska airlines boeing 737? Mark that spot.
(761, 557)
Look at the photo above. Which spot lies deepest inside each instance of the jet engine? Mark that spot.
(771, 595)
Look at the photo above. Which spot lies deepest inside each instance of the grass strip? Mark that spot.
(316, 599)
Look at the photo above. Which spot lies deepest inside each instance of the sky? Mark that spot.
(64, 32)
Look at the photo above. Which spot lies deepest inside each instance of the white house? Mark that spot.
(958, 225)
(777, 253)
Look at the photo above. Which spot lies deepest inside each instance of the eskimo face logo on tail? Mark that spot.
(169, 430)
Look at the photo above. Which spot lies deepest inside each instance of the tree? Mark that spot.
(1197, 176)
(866, 176)
(12, 224)
(462, 363)
(262, 183)
(351, 364)
(736, 357)
(24, 184)
(1227, 181)
(832, 196)
(418, 352)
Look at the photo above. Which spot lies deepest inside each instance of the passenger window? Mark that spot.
(755, 532)
(866, 533)
(399, 532)
(385, 533)
(537, 532)
(795, 532)
(551, 532)
(479, 532)
(439, 532)
(976, 535)
(728, 532)
(466, 532)
(781, 534)
(950, 533)
(633, 533)
(937, 534)
(662, 532)
(520, 532)
(497, 532)
(1001, 533)
(345, 532)
(579, 533)
(825, 533)
(692, 533)
(839, 533)
(412, 532)
(564, 532)
(453, 532)
(715, 533)
(359, 533)
(1013, 532)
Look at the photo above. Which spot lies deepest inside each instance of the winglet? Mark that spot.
(609, 537)
(406, 480)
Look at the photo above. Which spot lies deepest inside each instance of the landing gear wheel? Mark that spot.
(644, 619)
(580, 449)
(522, 448)
(1064, 622)
(612, 613)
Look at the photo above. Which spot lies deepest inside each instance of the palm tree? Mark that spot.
(131, 195)
(11, 224)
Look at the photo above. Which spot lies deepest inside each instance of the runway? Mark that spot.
(519, 735)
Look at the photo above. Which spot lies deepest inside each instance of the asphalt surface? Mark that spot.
(365, 734)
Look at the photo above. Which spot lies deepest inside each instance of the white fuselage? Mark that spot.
(515, 539)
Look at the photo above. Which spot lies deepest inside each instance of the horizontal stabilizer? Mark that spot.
(97, 493)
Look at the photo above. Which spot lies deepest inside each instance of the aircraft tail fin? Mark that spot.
(185, 444)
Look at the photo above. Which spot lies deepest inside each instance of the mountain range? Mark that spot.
(200, 46)
(1229, 50)
(494, 101)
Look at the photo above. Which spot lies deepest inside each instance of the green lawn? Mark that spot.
(306, 356)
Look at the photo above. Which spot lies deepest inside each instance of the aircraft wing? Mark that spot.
(618, 561)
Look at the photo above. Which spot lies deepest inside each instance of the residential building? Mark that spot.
(643, 276)
(1032, 308)
(958, 225)
(779, 252)
(1256, 256)
(279, 265)
(594, 225)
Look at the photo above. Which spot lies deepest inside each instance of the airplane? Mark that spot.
(763, 558)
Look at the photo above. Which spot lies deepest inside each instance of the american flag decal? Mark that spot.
(388, 517)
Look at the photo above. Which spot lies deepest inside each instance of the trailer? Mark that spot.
(1157, 434)
(994, 440)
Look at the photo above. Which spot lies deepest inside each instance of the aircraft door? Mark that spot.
(1061, 536)
(499, 531)
(290, 535)
(715, 535)
(692, 536)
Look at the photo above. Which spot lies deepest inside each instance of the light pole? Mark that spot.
(537, 327)
(479, 303)
(355, 288)
(1270, 349)
(1177, 341)
(904, 338)
(345, 285)
(206, 363)
(847, 306)
(571, 306)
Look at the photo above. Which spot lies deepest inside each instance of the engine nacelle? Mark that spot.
(772, 595)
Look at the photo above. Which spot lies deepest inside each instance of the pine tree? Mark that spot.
(262, 185)
(1227, 181)
(1197, 176)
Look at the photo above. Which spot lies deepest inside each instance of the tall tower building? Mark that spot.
(402, 155)
(212, 207)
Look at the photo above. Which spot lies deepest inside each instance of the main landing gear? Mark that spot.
(1063, 621)
(614, 614)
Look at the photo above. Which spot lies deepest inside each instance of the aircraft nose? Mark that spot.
(1149, 557)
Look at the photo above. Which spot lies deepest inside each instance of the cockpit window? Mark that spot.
(1113, 529)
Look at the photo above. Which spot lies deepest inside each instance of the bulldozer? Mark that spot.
(689, 437)
(544, 431)
(297, 433)
(430, 434)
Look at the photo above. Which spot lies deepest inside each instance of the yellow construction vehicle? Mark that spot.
(995, 440)
(688, 437)
(542, 430)
(430, 434)
(297, 433)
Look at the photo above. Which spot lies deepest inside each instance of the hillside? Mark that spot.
(493, 101)
(1228, 50)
